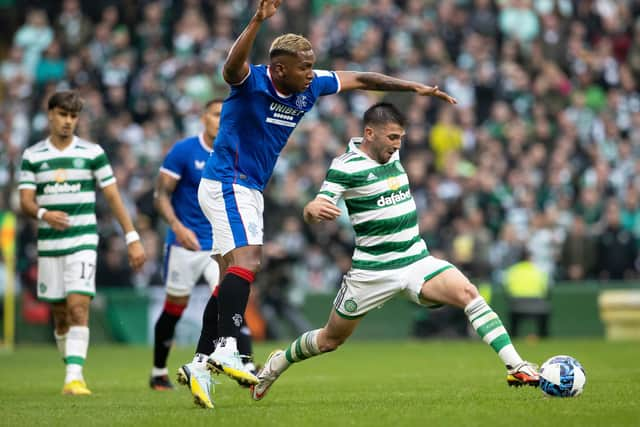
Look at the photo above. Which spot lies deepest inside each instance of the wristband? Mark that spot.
(131, 237)
(41, 213)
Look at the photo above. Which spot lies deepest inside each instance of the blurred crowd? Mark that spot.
(540, 158)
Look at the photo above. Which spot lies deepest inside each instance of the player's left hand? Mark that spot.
(435, 91)
(136, 255)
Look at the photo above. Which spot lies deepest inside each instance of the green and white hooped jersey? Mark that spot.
(380, 207)
(66, 181)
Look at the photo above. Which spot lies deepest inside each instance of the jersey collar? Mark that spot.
(203, 143)
(50, 145)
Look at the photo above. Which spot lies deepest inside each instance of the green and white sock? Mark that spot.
(489, 326)
(61, 342)
(304, 347)
(76, 352)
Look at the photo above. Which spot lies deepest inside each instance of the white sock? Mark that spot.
(304, 347)
(489, 327)
(61, 342)
(158, 372)
(200, 359)
(280, 362)
(227, 344)
(76, 352)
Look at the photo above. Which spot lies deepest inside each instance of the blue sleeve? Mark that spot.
(325, 82)
(249, 81)
(174, 161)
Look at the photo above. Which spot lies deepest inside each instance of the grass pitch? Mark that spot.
(403, 383)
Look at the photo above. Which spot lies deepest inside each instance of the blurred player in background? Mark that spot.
(187, 255)
(58, 177)
(265, 105)
(390, 257)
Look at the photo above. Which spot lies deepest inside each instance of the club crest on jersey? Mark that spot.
(60, 175)
(393, 183)
(301, 101)
(78, 163)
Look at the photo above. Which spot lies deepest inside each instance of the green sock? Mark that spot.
(304, 347)
(489, 326)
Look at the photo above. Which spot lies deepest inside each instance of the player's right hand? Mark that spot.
(267, 8)
(320, 209)
(58, 220)
(186, 238)
(136, 254)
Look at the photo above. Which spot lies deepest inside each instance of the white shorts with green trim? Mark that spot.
(364, 290)
(67, 274)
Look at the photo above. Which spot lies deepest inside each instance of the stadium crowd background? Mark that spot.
(541, 155)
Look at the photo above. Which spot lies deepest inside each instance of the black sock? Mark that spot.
(209, 331)
(233, 296)
(164, 330)
(244, 341)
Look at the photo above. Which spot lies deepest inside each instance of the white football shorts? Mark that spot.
(235, 213)
(60, 276)
(183, 268)
(364, 290)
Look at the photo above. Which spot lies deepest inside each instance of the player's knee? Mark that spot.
(250, 261)
(78, 314)
(253, 264)
(467, 293)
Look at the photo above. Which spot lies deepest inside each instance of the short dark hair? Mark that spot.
(383, 113)
(67, 100)
(211, 102)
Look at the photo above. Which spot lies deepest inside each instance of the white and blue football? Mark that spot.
(562, 376)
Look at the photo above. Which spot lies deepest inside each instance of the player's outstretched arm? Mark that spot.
(350, 80)
(165, 186)
(320, 209)
(236, 66)
(134, 246)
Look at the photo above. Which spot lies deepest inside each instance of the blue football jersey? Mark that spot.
(255, 124)
(185, 162)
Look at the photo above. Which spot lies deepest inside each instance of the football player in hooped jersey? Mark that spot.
(58, 180)
(265, 105)
(390, 257)
(187, 249)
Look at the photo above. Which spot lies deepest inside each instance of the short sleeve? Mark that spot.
(326, 82)
(27, 180)
(249, 81)
(102, 169)
(333, 186)
(173, 164)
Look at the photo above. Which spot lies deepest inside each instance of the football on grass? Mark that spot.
(562, 376)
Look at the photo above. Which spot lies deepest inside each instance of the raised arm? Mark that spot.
(350, 80)
(236, 67)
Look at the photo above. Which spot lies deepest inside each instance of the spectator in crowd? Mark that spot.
(579, 252)
(617, 250)
(527, 287)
